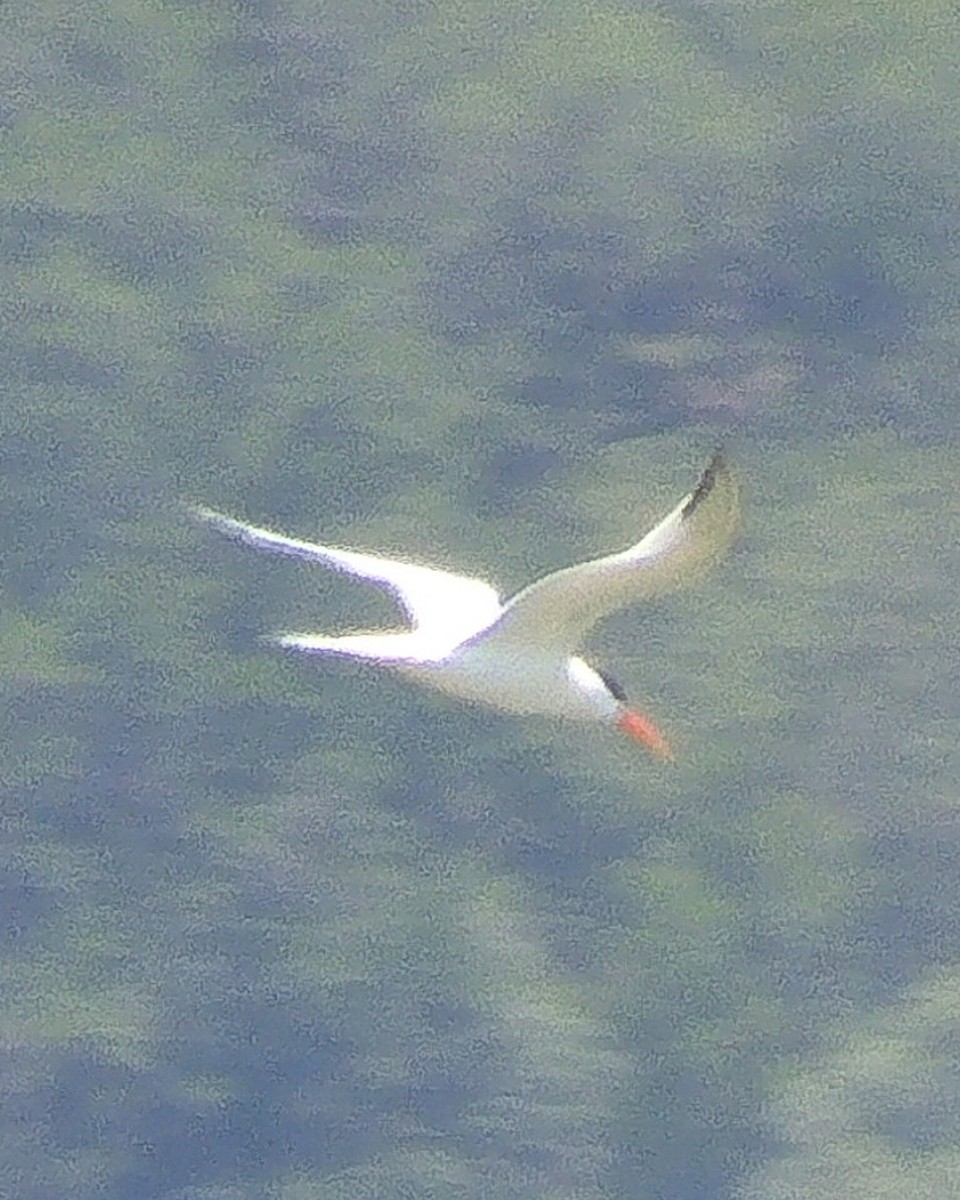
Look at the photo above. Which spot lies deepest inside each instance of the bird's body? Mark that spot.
(519, 656)
(543, 685)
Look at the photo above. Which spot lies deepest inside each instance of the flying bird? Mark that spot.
(519, 655)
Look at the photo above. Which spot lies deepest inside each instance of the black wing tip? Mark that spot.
(706, 482)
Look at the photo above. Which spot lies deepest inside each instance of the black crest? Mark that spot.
(614, 687)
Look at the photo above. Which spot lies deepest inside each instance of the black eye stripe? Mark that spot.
(613, 686)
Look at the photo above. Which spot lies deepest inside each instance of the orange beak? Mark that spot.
(644, 730)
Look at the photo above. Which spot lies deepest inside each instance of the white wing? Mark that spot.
(559, 609)
(444, 608)
(377, 647)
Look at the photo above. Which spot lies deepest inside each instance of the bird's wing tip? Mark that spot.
(285, 639)
(705, 485)
(201, 513)
(220, 521)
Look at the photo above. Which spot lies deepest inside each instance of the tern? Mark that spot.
(519, 655)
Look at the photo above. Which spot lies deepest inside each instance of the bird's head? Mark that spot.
(610, 703)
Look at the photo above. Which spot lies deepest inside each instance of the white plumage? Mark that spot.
(519, 656)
